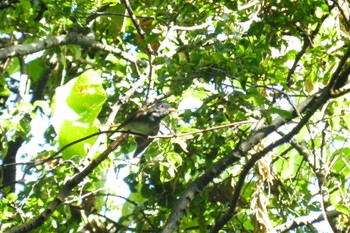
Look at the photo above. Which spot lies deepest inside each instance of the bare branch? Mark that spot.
(136, 24)
(205, 130)
(70, 38)
(304, 220)
(134, 19)
(97, 14)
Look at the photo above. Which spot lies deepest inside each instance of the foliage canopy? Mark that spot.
(260, 141)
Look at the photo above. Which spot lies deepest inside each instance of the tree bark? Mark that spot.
(9, 167)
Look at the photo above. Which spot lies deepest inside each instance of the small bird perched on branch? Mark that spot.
(146, 122)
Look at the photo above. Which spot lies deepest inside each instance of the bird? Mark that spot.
(146, 122)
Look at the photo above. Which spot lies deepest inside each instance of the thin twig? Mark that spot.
(308, 40)
(115, 108)
(205, 130)
(96, 14)
(303, 221)
(138, 27)
(142, 33)
(134, 19)
(192, 28)
(346, 20)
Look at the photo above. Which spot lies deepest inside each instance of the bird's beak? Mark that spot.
(172, 110)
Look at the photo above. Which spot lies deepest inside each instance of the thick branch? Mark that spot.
(9, 172)
(308, 107)
(310, 112)
(340, 74)
(70, 38)
(65, 190)
(303, 221)
(240, 151)
(322, 98)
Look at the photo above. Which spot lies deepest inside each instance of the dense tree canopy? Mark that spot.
(260, 141)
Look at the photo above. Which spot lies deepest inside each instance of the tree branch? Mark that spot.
(308, 107)
(307, 43)
(310, 112)
(134, 19)
(304, 220)
(311, 104)
(115, 108)
(205, 130)
(322, 178)
(65, 190)
(8, 169)
(136, 24)
(70, 38)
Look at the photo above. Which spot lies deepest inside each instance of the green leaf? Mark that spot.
(336, 197)
(76, 107)
(36, 69)
(182, 143)
(174, 159)
(11, 197)
(168, 169)
(87, 96)
(346, 120)
(166, 172)
(343, 209)
(341, 165)
(71, 131)
(24, 125)
(4, 91)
